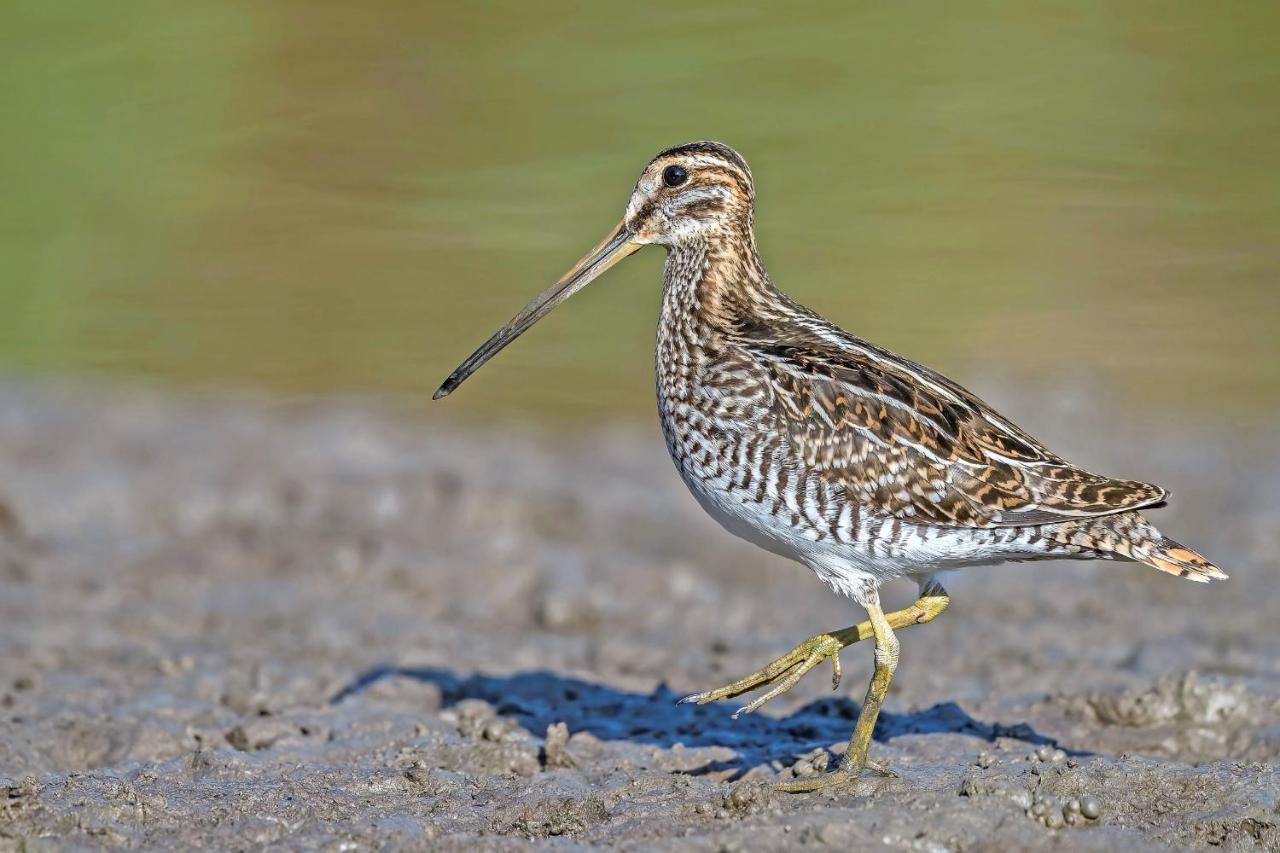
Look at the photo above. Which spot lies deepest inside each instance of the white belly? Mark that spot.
(873, 551)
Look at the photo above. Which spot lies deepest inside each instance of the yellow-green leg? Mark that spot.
(791, 667)
(795, 664)
(855, 757)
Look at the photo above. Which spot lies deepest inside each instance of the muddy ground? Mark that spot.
(235, 623)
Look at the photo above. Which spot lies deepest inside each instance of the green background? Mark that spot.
(341, 197)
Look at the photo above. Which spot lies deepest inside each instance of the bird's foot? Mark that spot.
(816, 782)
(786, 671)
(849, 771)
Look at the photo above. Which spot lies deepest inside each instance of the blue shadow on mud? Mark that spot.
(539, 698)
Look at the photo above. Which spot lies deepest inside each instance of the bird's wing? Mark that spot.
(909, 443)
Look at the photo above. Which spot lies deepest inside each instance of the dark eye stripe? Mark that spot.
(702, 206)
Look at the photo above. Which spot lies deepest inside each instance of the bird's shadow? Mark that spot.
(539, 698)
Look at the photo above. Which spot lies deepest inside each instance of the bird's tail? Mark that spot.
(1131, 535)
(1176, 559)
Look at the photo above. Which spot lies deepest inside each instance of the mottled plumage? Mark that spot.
(795, 433)
(819, 446)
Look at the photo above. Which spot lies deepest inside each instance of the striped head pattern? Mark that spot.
(691, 192)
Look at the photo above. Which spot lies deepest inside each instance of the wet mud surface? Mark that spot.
(237, 624)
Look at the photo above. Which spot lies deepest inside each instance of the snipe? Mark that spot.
(821, 447)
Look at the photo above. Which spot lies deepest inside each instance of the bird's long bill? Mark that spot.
(612, 249)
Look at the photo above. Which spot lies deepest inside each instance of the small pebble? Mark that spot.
(1054, 820)
(1057, 756)
(1090, 808)
(555, 752)
(801, 769)
(1073, 805)
(749, 795)
(1044, 753)
(1021, 798)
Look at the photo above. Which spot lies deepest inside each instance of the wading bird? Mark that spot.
(831, 451)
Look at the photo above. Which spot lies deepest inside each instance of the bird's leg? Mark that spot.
(855, 758)
(791, 667)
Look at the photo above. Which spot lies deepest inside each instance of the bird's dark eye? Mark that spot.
(674, 176)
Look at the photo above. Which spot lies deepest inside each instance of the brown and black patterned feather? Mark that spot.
(905, 441)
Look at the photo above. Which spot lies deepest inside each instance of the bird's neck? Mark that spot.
(716, 281)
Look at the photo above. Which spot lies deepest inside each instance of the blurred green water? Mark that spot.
(310, 196)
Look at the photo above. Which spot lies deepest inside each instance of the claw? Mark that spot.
(783, 673)
(880, 769)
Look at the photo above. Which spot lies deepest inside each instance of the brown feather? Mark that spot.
(879, 425)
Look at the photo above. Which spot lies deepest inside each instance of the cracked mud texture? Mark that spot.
(236, 623)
